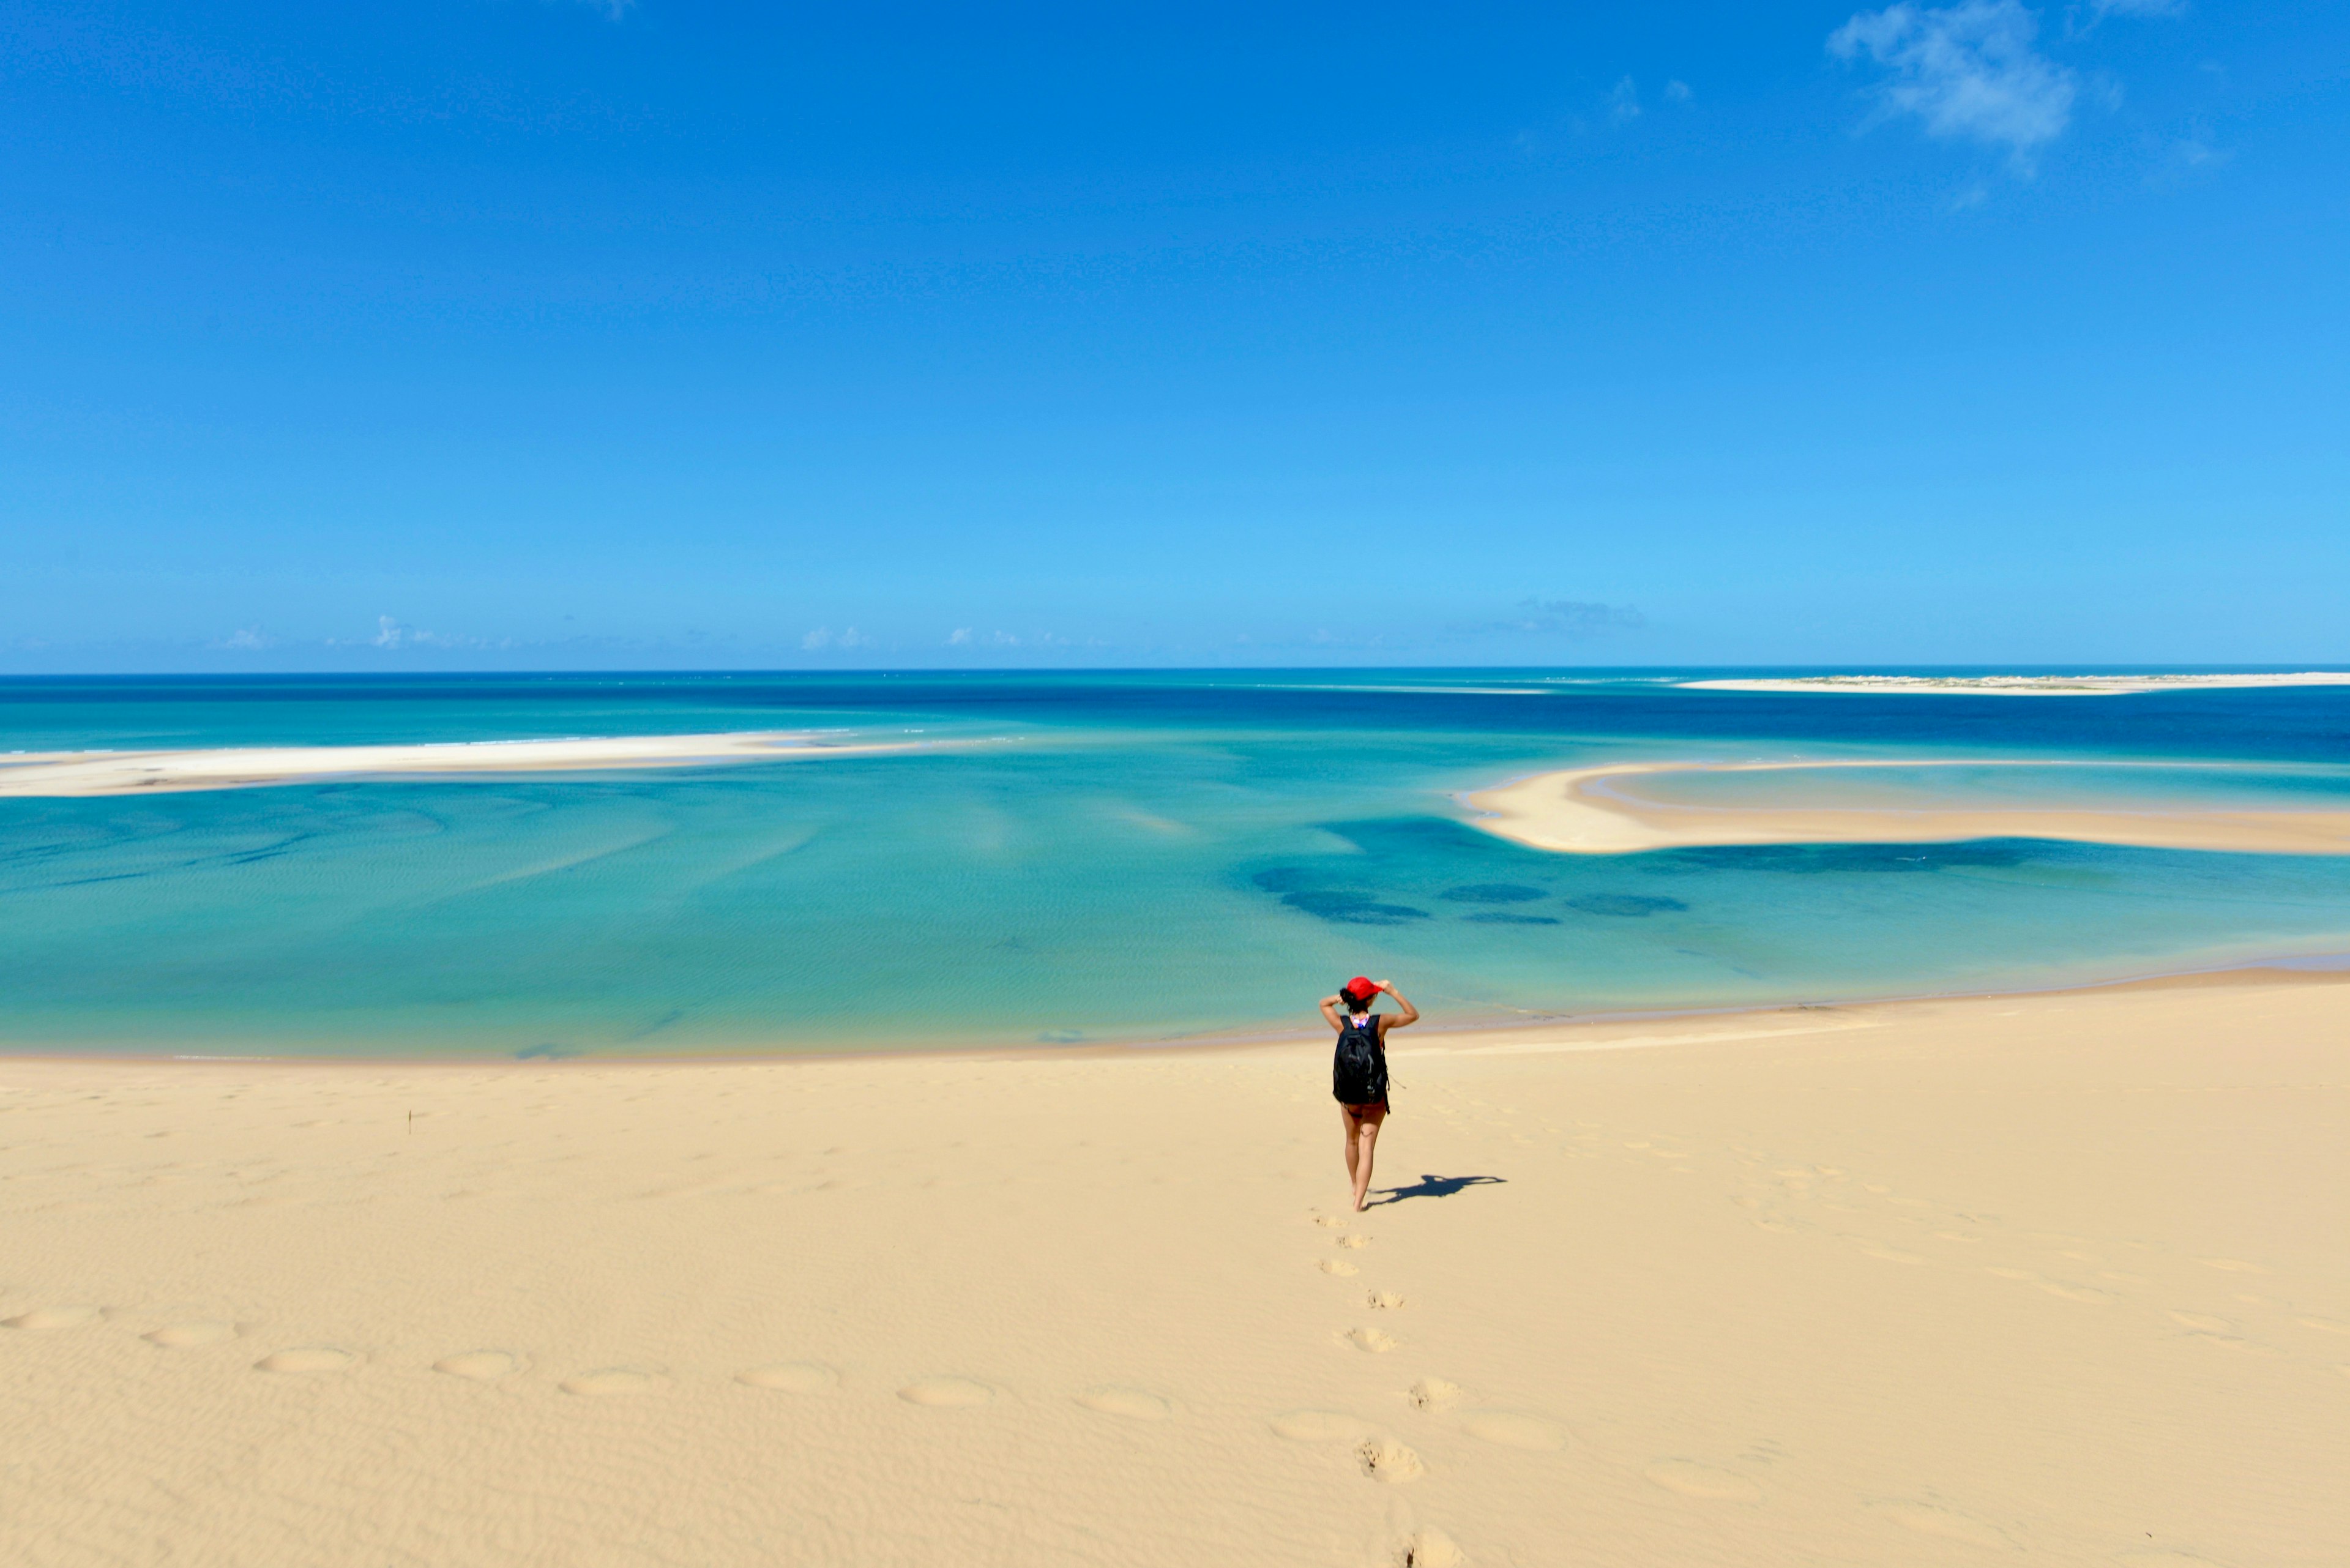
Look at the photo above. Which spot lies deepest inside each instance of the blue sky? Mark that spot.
(545, 334)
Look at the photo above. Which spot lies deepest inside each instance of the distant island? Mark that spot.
(2016, 685)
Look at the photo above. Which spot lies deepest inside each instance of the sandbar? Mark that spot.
(2053, 1278)
(2014, 685)
(1599, 811)
(58, 773)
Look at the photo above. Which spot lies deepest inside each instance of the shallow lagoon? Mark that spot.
(1151, 857)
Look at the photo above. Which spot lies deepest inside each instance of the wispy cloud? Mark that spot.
(1557, 618)
(1624, 100)
(824, 637)
(1677, 92)
(1969, 71)
(247, 639)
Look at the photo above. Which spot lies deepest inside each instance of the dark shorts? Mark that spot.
(1364, 1113)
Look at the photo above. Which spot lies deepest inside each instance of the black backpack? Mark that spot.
(1359, 1068)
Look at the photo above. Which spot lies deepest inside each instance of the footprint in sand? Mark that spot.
(610, 1382)
(1135, 1404)
(1691, 1479)
(41, 1318)
(2076, 1292)
(1386, 1301)
(308, 1358)
(1433, 1394)
(1512, 1430)
(1354, 1240)
(1430, 1549)
(947, 1393)
(1320, 1426)
(1329, 1221)
(1336, 1266)
(1385, 1459)
(791, 1377)
(183, 1336)
(1370, 1339)
(481, 1365)
(1932, 1518)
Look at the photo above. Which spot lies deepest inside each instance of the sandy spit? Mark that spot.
(2015, 685)
(2057, 1278)
(28, 773)
(1599, 811)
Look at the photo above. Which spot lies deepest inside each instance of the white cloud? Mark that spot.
(959, 638)
(1677, 92)
(388, 632)
(824, 637)
(248, 639)
(1968, 70)
(1624, 100)
(820, 637)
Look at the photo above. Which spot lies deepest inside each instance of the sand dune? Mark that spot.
(2015, 685)
(141, 773)
(2056, 1277)
(1599, 811)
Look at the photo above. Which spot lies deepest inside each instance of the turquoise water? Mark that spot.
(1114, 857)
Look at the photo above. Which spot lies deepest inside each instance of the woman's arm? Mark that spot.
(1330, 1011)
(1409, 1015)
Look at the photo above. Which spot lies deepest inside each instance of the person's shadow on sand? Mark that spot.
(1432, 1187)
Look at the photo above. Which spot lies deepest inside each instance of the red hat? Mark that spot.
(1361, 989)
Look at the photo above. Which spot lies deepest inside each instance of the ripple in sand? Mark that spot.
(481, 1366)
(1385, 1459)
(308, 1358)
(1133, 1403)
(180, 1335)
(608, 1381)
(946, 1393)
(1320, 1426)
(1691, 1479)
(1514, 1430)
(791, 1377)
(41, 1318)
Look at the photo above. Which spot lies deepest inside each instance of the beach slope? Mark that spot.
(2057, 1278)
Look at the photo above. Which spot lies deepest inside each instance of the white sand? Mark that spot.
(2060, 1280)
(2016, 685)
(27, 773)
(1599, 811)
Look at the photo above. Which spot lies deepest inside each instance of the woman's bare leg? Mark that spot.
(1359, 1154)
(1346, 1126)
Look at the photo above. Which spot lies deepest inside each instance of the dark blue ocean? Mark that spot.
(1127, 856)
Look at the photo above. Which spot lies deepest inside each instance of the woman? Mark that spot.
(1359, 1068)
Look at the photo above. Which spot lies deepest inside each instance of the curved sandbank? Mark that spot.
(32, 774)
(1595, 811)
(2016, 685)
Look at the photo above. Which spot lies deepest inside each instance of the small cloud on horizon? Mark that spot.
(1557, 618)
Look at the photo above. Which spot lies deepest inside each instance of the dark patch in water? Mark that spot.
(1628, 906)
(549, 1052)
(1353, 909)
(1501, 919)
(1285, 880)
(1492, 893)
